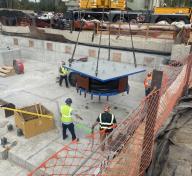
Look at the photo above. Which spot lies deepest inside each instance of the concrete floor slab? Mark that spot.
(52, 91)
(38, 85)
(43, 155)
(26, 148)
(8, 169)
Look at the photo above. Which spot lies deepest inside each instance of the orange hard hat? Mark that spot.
(107, 107)
(149, 74)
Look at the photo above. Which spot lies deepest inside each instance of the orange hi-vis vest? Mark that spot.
(147, 81)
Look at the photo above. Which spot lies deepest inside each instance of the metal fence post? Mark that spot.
(152, 103)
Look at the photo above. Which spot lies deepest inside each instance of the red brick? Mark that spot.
(15, 41)
(116, 57)
(92, 53)
(50, 46)
(68, 49)
(31, 44)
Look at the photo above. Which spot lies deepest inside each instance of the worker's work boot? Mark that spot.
(65, 137)
(75, 140)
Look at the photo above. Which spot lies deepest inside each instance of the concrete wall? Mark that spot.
(8, 55)
(54, 52)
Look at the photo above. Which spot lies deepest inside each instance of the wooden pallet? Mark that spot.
(6, 71)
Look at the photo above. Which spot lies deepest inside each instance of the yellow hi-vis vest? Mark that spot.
(63, 71)
(66, 114)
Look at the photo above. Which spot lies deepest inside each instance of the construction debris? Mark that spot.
(5, 147)
(6, 71)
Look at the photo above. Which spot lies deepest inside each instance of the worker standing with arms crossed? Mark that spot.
(67, 120)
(147, 83)
(107, 123)
(63, 75)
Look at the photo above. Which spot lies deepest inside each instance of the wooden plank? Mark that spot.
(8, 68)
(3, 75)
(4, 71)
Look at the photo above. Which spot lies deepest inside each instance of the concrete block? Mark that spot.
(59, 47)
(27, 148)
(49, 46)
(23, 172)
(42, 155)
(3, 153)
(39, 44)
(15, 41)
(130, 59)
(124, 58)
(24, 42)
(92, 53)
(116, 57)
(31, 43)
(3, 122)
(103, 54)
(152, 45)
(7, 41)
(149, 62)
(8, 169)
(32, 53)
(68, 49)
(81, 51)
(8, 55)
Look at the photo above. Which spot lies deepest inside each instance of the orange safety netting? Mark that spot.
(130, 152)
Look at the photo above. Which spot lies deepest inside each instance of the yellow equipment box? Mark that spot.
(33, 125)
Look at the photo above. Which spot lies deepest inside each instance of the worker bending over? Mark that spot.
(67, 120)
(107, 122)
(147, 83)
(63, 74)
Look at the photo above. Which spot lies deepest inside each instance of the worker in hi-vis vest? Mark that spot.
(107, 123)
(63, 74)
(67, 120)
(147, 83)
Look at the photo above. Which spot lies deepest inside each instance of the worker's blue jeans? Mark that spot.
(71, 128)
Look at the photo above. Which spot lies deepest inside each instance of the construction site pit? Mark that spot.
(38, 85)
